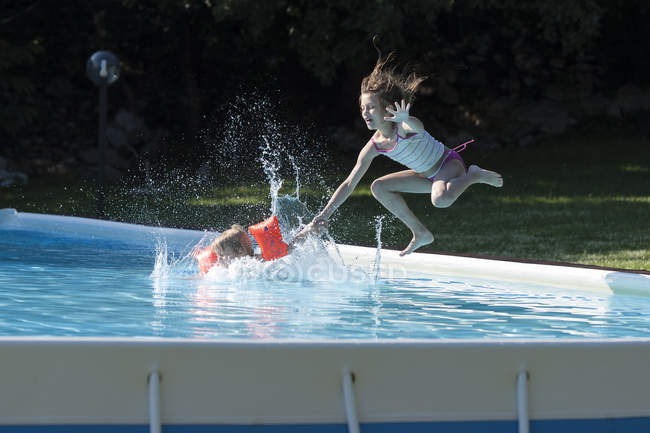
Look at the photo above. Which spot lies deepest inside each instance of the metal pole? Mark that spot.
(522, 401)
(350, 403)
(101, 150)
(154, 403)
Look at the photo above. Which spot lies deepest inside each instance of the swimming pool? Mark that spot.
(92, 308)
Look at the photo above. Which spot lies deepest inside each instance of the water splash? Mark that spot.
(161, 267)
(297, 171)
(376, 268)
(271, 164)
(279, 150)
(292, 215)
(168, 264)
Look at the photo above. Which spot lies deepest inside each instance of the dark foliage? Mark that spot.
(184, 61)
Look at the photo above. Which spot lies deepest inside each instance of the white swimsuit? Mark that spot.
(419, 152)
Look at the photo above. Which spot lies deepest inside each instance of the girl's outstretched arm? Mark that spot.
(367, 154)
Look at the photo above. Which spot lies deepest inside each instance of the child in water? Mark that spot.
(235, 242)
(385, 101)
(232, 243)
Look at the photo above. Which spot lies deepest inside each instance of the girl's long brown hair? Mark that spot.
(389, 84)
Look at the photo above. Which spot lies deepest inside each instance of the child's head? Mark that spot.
(233, 243)
(388, 85)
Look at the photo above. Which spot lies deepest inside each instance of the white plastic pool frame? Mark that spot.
(184, 385)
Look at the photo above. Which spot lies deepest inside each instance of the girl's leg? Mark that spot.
(452, 180)
(386, 190)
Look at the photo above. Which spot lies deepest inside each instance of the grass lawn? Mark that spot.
(580, 199)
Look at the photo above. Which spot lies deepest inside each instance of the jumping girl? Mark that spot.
(432, 167)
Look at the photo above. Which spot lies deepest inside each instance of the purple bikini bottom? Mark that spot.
(451, 155)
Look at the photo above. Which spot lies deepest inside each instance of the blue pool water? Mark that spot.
(54, 284)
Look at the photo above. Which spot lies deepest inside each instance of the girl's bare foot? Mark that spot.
(485, 176)
(419, 239)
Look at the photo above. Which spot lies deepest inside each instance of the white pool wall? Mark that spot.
(104, 381)
(567, 277)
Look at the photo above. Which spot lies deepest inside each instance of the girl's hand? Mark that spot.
(318, 223)
(400, 114)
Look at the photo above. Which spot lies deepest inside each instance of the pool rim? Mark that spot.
(597, 280)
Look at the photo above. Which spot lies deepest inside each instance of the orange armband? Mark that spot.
(268, 237)
(206, 259)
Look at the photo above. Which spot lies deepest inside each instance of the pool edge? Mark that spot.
(602, 281)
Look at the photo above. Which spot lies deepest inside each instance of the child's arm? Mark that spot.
(301, 236)
(412, 124)
(367, 154)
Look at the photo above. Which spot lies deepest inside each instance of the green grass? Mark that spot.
(578, 200)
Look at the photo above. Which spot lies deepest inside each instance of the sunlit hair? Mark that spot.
(234, 239)
(389, 84)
